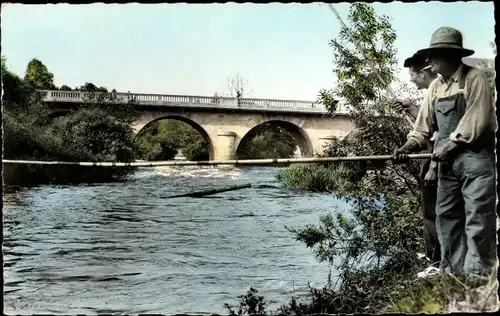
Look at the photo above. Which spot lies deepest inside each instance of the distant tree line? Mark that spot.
(90, 133)
(164, 139)
(93, 132)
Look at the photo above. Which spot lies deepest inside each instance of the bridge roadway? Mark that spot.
(223, 121)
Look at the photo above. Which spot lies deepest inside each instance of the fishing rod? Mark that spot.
(372, 63)
(247, 162)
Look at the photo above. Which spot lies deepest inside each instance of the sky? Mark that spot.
(282, 50)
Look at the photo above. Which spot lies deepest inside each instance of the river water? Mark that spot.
(127, 248)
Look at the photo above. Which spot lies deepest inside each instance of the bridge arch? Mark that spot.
(303, 141)
(190, 122)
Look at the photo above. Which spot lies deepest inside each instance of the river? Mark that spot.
(126, 248)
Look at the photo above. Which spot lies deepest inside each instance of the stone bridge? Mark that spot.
(223, 122)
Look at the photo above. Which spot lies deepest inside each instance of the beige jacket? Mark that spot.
(479, 115)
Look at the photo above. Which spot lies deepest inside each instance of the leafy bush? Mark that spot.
(250, 304)
(94, 132)
(375, 243)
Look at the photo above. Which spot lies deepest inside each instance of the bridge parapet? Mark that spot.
(185, 100)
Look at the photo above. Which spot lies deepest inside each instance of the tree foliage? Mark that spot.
(382, 232)
(268, 141)
(17, 94)
(94, 132)
(38, 76)
(488, 66)
(163, 139)
(65, 88)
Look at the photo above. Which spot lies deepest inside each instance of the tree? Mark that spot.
(237, 86)
(16, 93)
(162, 140)
(494, 47)
(488, 66)
(268, 141)
(92, 132)
(38, 76)
(373, 245)
(65, 88)
(90, 87)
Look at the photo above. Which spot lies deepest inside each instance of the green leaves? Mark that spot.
(162, 140)
(38, 76)
(96, 135)
(382, 229)
(363, 52)
(328, 100)
(94, 132)
(250, 304)
(268, 141)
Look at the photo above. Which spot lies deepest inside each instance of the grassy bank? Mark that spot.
(441, 294)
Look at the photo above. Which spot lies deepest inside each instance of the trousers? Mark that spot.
(466, 214)
(428, 206)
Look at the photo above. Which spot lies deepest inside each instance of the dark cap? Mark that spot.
(416, 59)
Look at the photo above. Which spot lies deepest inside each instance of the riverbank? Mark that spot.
(431, 295)
(30, 175)
(390, 285)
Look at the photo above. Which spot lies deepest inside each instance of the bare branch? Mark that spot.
(237, 86)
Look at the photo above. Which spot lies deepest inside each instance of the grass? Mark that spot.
(446, 294)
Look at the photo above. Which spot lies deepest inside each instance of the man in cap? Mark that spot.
(459, 105)
(422, 76)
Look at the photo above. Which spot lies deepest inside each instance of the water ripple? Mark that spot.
(127, 248)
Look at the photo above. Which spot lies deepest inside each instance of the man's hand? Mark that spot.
(431, 175)
(407, 107)
(403, 106)
(444, 152)
(401, 154)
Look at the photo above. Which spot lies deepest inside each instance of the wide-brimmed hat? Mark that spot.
(447, 39)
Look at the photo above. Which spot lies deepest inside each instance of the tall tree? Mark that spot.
(38, 76)
(16, 94)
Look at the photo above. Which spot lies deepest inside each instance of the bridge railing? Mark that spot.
(179, 100)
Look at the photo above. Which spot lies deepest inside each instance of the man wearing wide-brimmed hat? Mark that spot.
(459, 106)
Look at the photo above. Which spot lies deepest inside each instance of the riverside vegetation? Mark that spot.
(98, 130)
(92, 132)
(373, 246)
